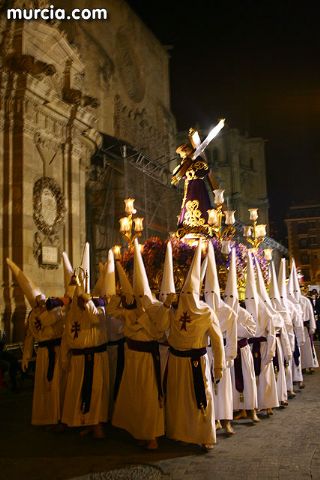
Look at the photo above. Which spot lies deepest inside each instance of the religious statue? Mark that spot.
(193, 218)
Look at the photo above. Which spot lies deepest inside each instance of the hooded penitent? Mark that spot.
(231, 296)
(264, 296)
(30, 290)
(167, 283)
(251, 299)
(227, 316)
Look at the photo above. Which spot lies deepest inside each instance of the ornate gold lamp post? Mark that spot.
(224, 233)
(130, 227)
(254, 234)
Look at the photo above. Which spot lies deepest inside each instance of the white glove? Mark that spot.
(24, 365)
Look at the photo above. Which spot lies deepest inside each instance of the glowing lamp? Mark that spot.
(253, 213)
(213, 218)
(138, 224)
(129, 206)
(218, 196)
(261, 231)
(230, 218)
(124, 225)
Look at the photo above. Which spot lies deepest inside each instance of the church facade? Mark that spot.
(85, 122)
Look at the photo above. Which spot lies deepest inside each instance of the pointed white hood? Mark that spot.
(291, 284)
(141, 287)
(252, 299)
(274, 292)
(212, 287)
(296, 285)
(126, 287)
(167, 283)
(85, 265)
(30, 290)
(67, 270)
(282, 282)
(109, 280)
(261, 287)
(231, 295)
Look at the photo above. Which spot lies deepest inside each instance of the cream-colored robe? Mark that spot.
(137, 408)
(190, 327)
(85, 329)
(47, 396)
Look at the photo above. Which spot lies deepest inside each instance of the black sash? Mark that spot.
(50, 344)
(195, 355)
(86, 389)
(120, 363)
(255, 342)
(238, 366)
(153, 348)
(275, 359)
(296, 353)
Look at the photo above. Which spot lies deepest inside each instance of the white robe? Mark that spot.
(184, 420)
(308, 353)
(85, 329)
(246, 329)
(137, 408)
(266, 381)
(47, 396)
(223, 393)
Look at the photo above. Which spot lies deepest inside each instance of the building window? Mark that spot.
(303, 242)
(251, 163)
(305, 259)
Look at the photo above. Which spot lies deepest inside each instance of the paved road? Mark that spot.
(285, 446)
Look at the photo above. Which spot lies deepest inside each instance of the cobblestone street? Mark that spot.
(285, 446)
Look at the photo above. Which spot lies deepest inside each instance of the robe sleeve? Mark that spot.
(285, 343)
(96, 315)
(246, 324)
(271, 340)
(216, 338)
(231, 336)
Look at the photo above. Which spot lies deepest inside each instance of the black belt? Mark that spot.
(153, 348)
(296, 353)
(239, 383)
(199, 389)
(50, 344)
(120, 363)
(255, 342)
(86, 388)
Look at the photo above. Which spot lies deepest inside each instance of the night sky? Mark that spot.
(258, 65)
